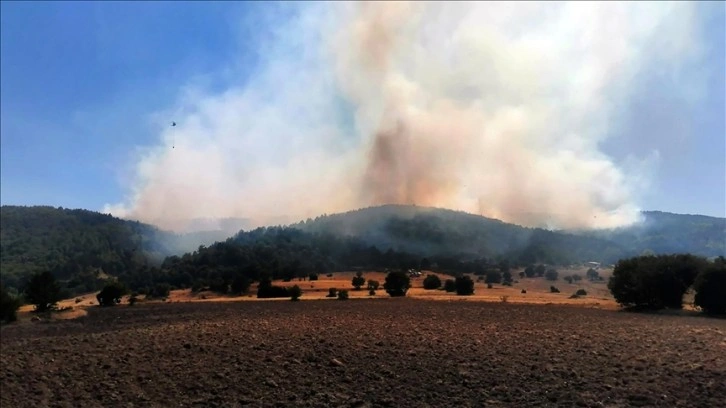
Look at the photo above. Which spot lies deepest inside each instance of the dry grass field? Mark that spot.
(384, 352)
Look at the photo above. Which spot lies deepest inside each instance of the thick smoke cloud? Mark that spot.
(491, 108)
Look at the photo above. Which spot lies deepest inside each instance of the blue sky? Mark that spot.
(80, 81)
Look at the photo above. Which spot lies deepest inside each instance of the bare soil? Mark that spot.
(383, 352)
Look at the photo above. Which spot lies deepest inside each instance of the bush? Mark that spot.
(358, 280)
(464, 285)
(581, 292)
(529, 271)
(521, 275)
(397, 283)
(133, 298)
(576, 277)
(373, 284)
(371, 292)
(507, 283)
(710, 288)
(524, 291)
(9, 306)
(330, 275)
(450, 285)
(539, 270)
(313, 276)
(295, 292)
(489, 286)
(332, 292)
(43, 291)
(111, 294)
(554, 289)
(431, 282)
(551, 275)
(654, 282)
(568, 279)
(343, 295)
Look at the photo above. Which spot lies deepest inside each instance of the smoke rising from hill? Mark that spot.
(492, 108)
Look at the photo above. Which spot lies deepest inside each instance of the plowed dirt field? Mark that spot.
(356, 353)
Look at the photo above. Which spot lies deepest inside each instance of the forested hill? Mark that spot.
(662, 233)
(78, 246)
(430, 230)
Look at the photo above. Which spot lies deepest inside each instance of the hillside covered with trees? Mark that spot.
(79, 247)
(83, 248)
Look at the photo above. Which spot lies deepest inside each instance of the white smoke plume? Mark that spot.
(487, 107)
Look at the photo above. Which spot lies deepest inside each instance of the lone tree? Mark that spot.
(358, 280)
(710, 287)
(450, 285)
(9, 306)
(397, 283)
(464, 285)
(111, 294)
(295, 293)
(43, 291)
(551, 275)
(373, 284)
(431, 282)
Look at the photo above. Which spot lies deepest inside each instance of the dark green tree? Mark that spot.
(710, 288)
(111, 294)
(431, 282)
(295, 293)
(43, 291)
(464, 285)
(450, 285)
(373, 284)
(358, 280)
(9, 306)
(397, 283)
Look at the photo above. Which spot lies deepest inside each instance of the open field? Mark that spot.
(383, 352)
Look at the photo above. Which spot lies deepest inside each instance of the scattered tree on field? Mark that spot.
(551, 275)
(332, 292)
(373, 284)
(464, 285)
(358, 280)
(397, 283)
(431, 282)
(450, 285)
(295, 293)
(343, 294)
(568, 279)
(43, 291)
(111, 294)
